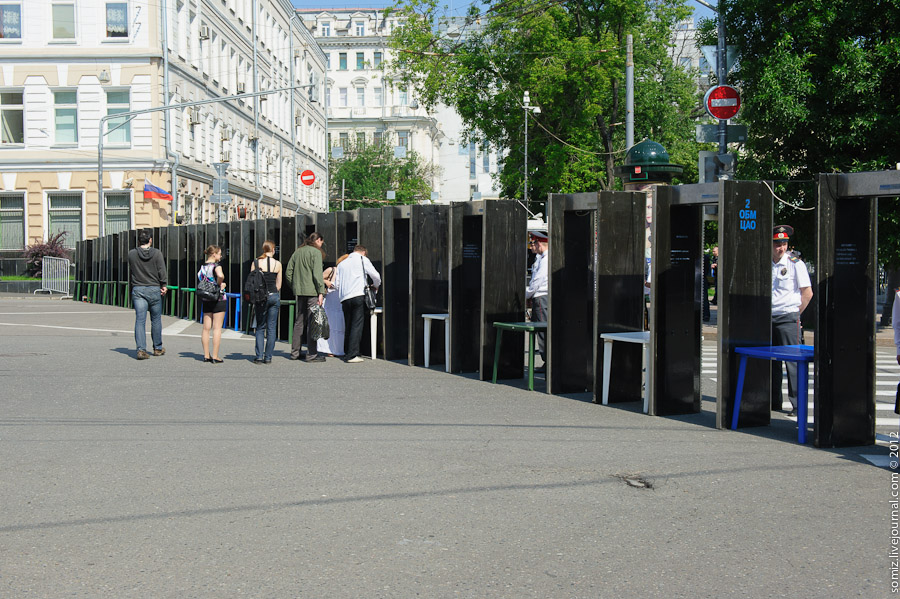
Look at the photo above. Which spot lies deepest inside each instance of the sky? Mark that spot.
(458, 6)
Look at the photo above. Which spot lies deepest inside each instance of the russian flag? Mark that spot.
(152, 192)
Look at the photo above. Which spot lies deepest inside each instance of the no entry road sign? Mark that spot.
(307, 177)
(722, 102)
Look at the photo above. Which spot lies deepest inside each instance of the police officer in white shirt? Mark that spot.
(791, 293)
(537, 287)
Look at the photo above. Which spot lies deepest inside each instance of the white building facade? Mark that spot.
(362, 107)
(64, 64)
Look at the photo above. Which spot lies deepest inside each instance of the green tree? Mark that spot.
(820, 84)
(368, 171)
(570, 56)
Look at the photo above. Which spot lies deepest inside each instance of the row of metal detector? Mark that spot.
(469, 260)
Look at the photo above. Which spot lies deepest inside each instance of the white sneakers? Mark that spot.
(355, 360)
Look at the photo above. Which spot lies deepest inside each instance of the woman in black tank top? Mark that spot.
(267, 318)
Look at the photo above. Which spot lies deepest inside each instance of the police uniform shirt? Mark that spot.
(789, 276)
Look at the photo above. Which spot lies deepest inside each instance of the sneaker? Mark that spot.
(316, 358)
(355, 360)
(159, 352)
(142, 355)
(258, 361)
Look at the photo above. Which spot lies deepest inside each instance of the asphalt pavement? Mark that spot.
(171, 477)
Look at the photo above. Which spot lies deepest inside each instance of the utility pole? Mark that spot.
(526, 101)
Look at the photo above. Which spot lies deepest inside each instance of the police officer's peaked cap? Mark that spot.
(538, 235)
(782, 233)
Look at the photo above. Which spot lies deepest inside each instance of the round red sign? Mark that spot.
(722, 102)
(307, 177)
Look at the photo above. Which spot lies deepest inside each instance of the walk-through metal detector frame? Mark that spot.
(369, 232)
(597, 245)
(396, 253)
(429, 283)
(487, 273)
(846, 273)
(744, 297)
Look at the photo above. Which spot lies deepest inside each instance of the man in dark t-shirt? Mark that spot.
(148, 286)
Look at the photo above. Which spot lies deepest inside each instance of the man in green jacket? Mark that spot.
(304, 274)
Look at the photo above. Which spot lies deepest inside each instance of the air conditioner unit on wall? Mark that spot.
(226, 134)
(226, 156)
(241, 88)
(194, 114)
(204, 32)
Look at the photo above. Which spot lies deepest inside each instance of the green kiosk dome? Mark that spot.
(647, 162)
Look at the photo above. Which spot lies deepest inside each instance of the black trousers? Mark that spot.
(785, 331)
(354, 317)
(539, 314)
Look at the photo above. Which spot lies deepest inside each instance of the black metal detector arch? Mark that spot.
(429, 283)
(487, 274)
(596, 286)
(846, 273)
(396, 254)
(744, 297)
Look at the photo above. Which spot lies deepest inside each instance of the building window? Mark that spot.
(379, 97)
(684, 63)
(360, 96)
(360, 28)
(117, 212)
(342, 61)
(66, 117)
(65, 215)
(116, 19)
(63, 21)
(377, 59)
(12, 118)
(12, 221)
(360, 140)
(378, 138)
(404, 98)
(485, 158)
(116, 102)
(345, 141)
(471, 160)
(403, 139)
(326, 29)
(342, 96)
(704, 65)
(360, 61)
(10, 21)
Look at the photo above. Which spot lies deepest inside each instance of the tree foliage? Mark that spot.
(368, 171)
(820, 83)
(570, 55)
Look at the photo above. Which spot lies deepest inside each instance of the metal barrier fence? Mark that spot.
(55, 276)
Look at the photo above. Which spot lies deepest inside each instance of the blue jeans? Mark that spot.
(265, 327)
(147, 298)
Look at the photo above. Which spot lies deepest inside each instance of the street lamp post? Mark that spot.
(526, 101)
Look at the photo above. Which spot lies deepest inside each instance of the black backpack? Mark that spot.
(255, 290)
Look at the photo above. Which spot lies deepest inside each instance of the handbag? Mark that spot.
(207, 290)
(318, 324)
(368, 291)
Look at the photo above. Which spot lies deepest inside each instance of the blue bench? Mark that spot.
(801, 354)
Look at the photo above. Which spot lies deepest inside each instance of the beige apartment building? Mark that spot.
(66, 64)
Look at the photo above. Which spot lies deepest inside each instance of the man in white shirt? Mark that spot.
(791, 293)
(350, 281)
(537, 287)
